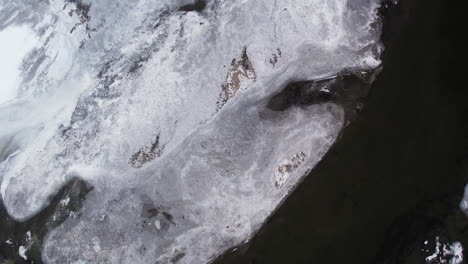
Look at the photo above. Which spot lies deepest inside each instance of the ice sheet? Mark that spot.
(165, 110)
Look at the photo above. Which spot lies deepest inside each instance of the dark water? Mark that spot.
(396, 177)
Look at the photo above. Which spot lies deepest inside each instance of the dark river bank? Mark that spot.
(396, 177)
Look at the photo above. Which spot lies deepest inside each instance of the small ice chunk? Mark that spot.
(446, 253)
(455, 251)
(157, 224)
(28, 236)
(22, 252)
(325, 90)
(9, 242)
(430, 258)
(464, 202)
(64, 202)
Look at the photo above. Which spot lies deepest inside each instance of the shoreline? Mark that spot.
(395, 178)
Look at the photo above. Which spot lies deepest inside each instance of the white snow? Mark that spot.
(15, 43)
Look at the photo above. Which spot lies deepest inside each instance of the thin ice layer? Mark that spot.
(164, 110)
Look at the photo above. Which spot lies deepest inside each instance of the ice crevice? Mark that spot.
(192, 120)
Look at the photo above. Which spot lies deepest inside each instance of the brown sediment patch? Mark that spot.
(147, 153)
(285, 168)
(240, 71)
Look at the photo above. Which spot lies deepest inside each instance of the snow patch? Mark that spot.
(286, 167)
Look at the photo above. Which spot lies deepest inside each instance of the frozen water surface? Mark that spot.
(162, 109)
(16, 42)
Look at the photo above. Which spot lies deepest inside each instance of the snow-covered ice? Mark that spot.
(164, 113)
(16, 42)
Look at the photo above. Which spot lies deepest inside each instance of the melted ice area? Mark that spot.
(163, 111)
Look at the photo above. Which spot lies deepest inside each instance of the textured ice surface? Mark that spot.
(15, 43)
(163, 112)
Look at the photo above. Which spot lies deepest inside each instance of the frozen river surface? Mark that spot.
(163, 107)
